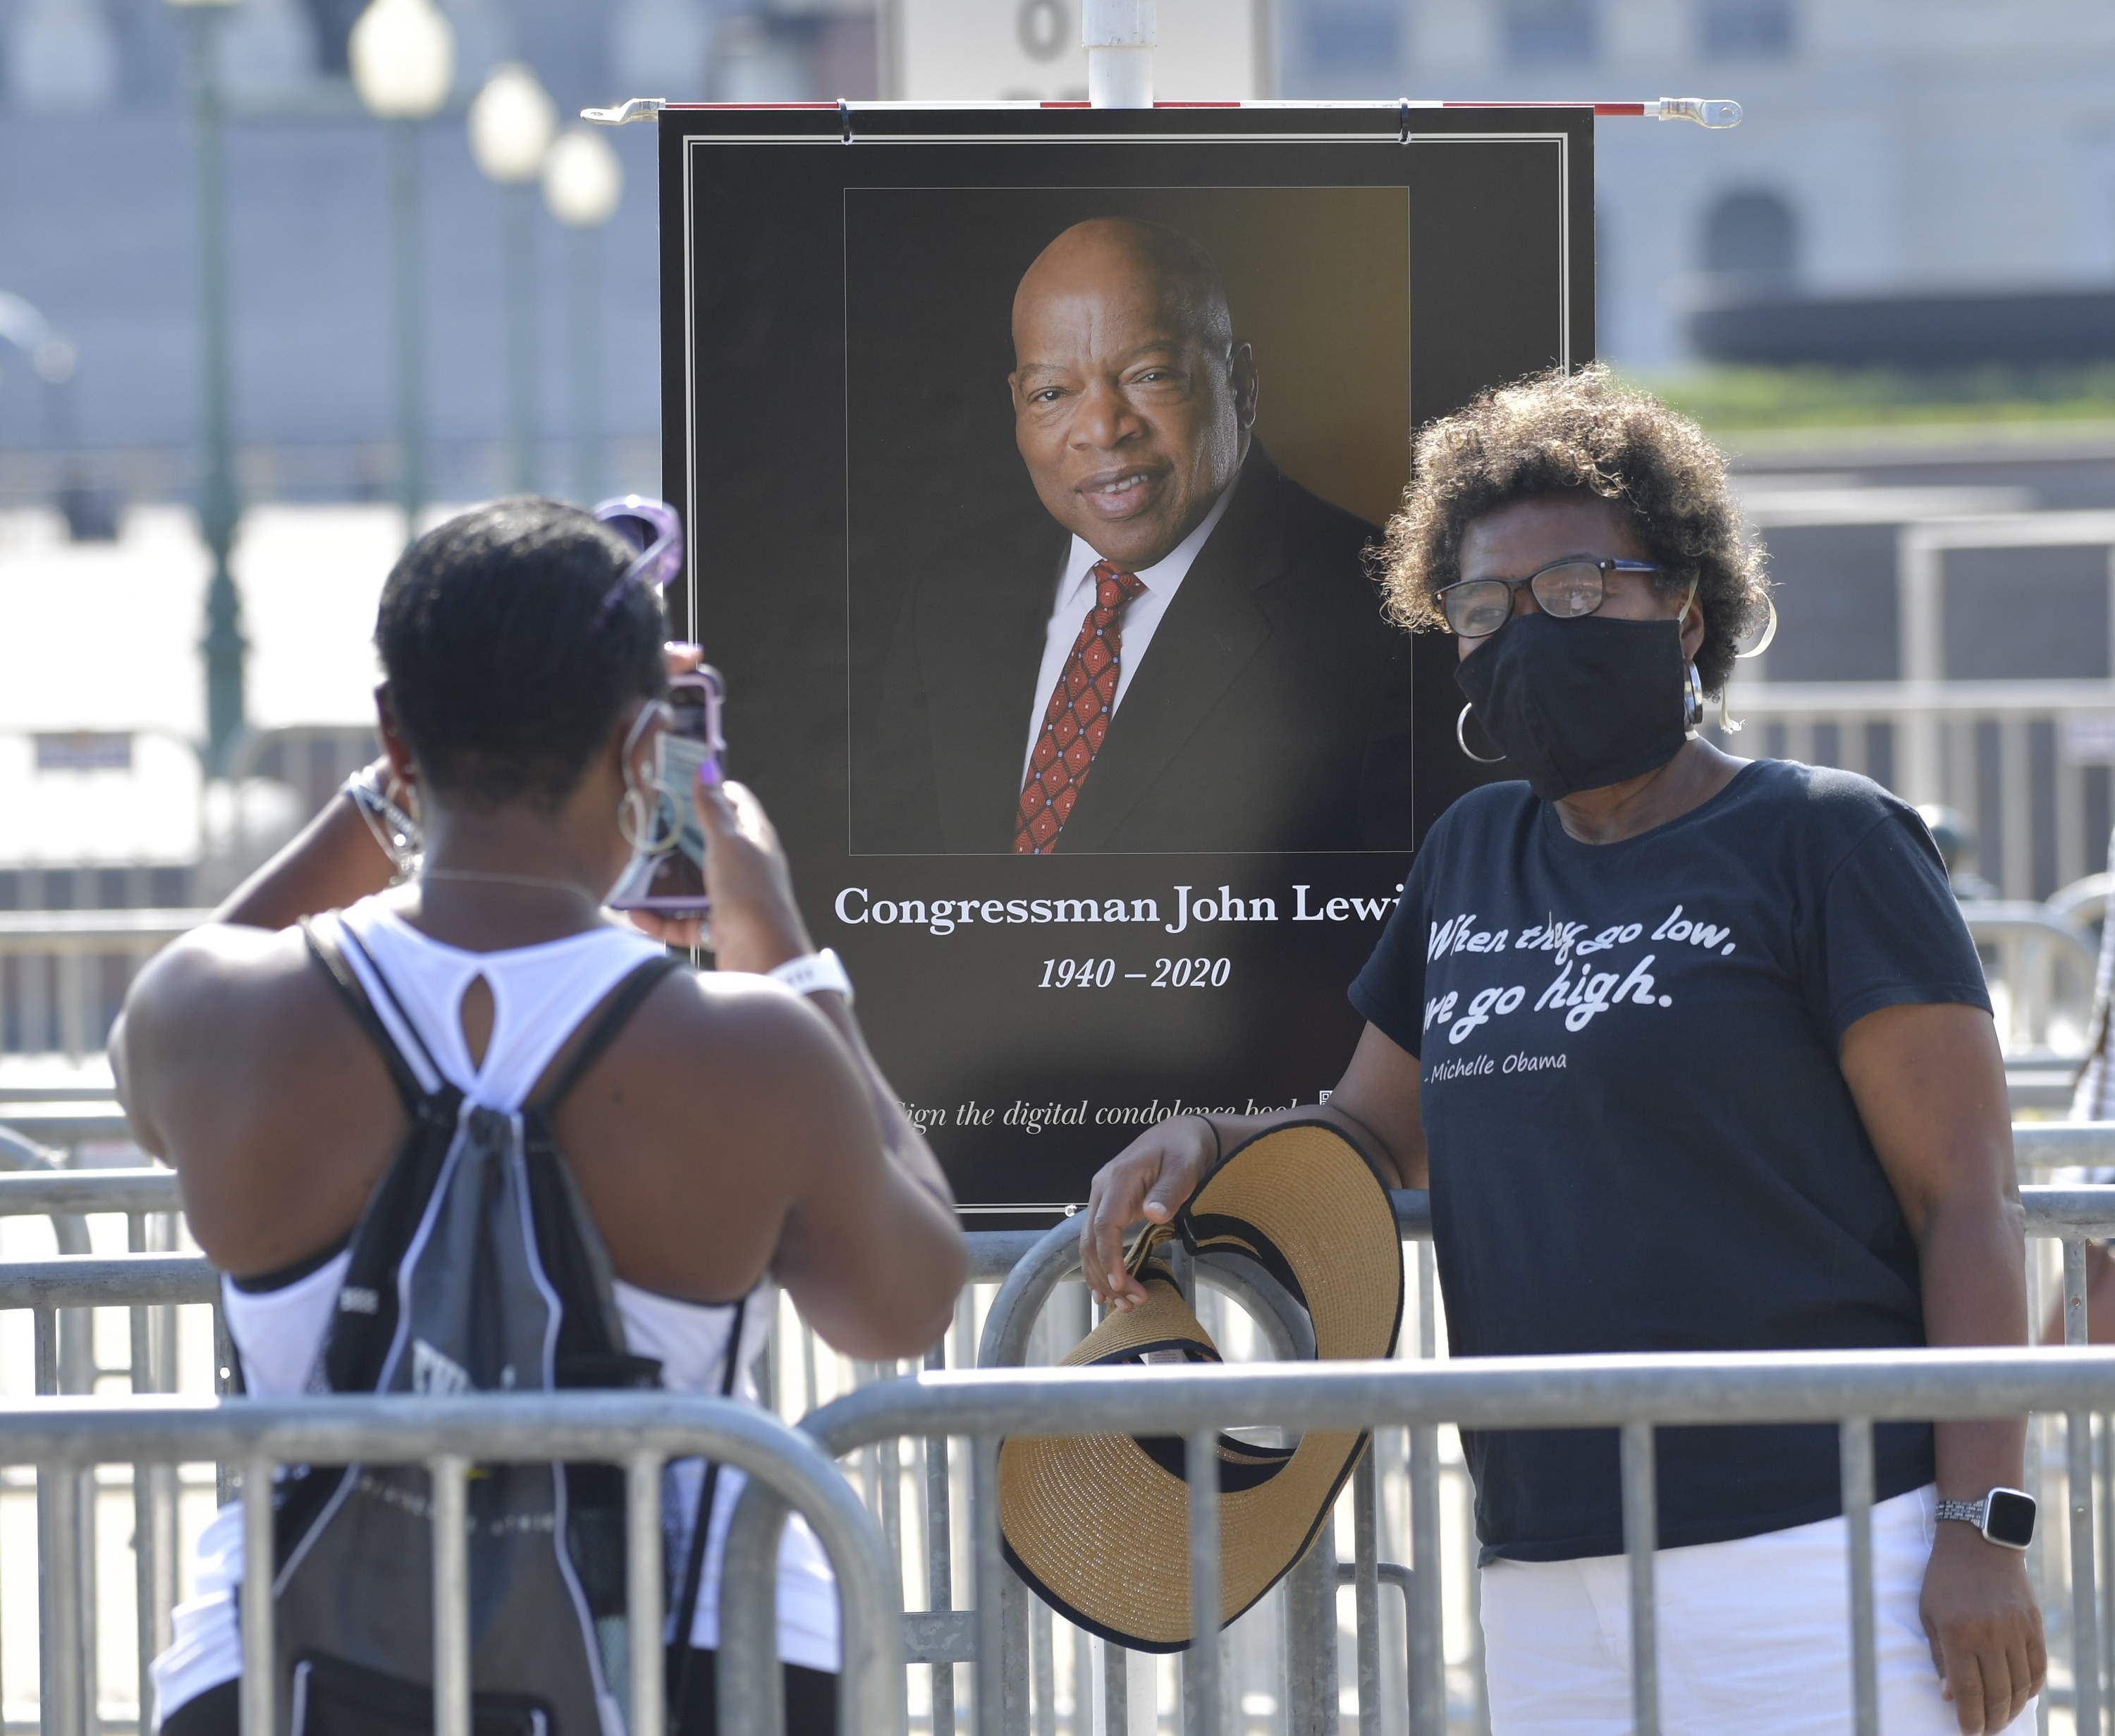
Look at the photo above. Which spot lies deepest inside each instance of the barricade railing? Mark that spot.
(1636, 1395)
(1034, 1263)
(640, 1433)
(943, 1636)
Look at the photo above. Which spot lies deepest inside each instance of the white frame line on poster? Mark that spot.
(1395, 140)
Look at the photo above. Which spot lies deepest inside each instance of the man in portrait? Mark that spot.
(1184, 651)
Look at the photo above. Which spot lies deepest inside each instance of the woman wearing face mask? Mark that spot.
(1694, 1054)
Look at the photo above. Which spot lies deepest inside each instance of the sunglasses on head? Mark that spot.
(652, 527)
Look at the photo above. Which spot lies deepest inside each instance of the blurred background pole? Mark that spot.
(402, 56)
(219, 509)
(583, 185)
(511, 124)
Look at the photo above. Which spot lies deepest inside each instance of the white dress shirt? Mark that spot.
(1135, 625)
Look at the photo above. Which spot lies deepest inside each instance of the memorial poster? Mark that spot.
(1030, 460)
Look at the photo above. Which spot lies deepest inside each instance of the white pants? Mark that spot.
(1753, 1635)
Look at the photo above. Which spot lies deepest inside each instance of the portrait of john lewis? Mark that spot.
(1183, 650)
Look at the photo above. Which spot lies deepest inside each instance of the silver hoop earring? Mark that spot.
(1692, 701)
(636, 813)
(1462, 740)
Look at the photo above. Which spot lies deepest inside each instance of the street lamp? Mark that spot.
(219, 508)
(583, 185)
(511, 124)
(403, 55)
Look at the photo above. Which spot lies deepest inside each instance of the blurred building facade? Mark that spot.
(1896, 154)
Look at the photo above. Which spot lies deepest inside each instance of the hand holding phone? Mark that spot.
(666, 873)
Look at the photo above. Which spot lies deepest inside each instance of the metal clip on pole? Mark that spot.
(638, 109)
(1715, 112)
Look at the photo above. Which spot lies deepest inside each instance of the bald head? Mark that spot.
(1132, 402)
(1122, 253)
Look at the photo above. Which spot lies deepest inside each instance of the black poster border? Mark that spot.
(1439, 382)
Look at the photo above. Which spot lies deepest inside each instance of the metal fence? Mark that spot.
(63, 973)
(642, 1434)
(1033, 1267)
(1635, 1394)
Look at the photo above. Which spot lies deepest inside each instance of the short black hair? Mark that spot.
(505, 674)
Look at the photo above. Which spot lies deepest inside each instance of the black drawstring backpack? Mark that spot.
(474, 1268)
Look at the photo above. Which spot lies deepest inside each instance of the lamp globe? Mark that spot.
(403, 54)
(512, 121)
(583, 179)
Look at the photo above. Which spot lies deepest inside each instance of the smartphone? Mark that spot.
(668, 877)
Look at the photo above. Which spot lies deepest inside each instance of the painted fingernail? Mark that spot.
(708, 773)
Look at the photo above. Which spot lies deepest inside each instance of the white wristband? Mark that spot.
(815, 974)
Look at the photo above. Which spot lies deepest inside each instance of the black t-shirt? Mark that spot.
(1640, 1138)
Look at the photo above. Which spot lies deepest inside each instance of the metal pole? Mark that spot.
(63, 1689)
(939, 1555)
(1640, 1539)
(1366, 1589)
(990, 1574)
(518, 207)
(1201, 1471)
(410, 329)
(258, 1666)
(146, 1490)
(1856, 1449)
(1116, 1690)
(2078, 1489)
(451, 1491)
(2106, 1497)
(2085, 1605)
(1428, 1656)
(219, 508)
(585, 282)
(643, 1601)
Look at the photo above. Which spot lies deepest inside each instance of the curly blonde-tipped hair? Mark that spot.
(1581, 434)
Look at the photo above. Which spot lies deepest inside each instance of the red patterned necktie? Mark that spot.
(1077, 717)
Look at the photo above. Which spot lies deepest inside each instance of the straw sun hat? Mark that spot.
(1098, 1526)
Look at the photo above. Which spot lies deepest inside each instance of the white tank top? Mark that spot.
(540, 996)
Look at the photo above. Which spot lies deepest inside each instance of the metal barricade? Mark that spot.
(944, 1635)
(1635, 1395)
(1034, 1263)
(642, 1433)
(146, 1284)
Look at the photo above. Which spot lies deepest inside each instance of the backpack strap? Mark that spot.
(694, 1564)
(631, 992)
(332, 960)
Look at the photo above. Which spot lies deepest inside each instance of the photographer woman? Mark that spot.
(732, 1133)
(1694, 1054)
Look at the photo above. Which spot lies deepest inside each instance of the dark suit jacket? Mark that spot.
(1274, 709)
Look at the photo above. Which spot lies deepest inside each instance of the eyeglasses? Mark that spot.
(1476, 609)
(652, 527)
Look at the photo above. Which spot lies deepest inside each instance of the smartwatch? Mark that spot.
(2006, 1517)
(815, 973)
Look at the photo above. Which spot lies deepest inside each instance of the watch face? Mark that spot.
(2010, 1518)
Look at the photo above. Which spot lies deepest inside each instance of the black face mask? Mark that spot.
(1576, 704)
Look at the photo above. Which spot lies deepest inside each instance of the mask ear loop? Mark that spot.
(636, 811)
(1731, 725)
(1462, 740)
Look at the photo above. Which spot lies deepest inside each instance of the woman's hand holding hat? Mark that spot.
(1150, 1179)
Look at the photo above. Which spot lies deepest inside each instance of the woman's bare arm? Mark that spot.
(1929, 1084)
